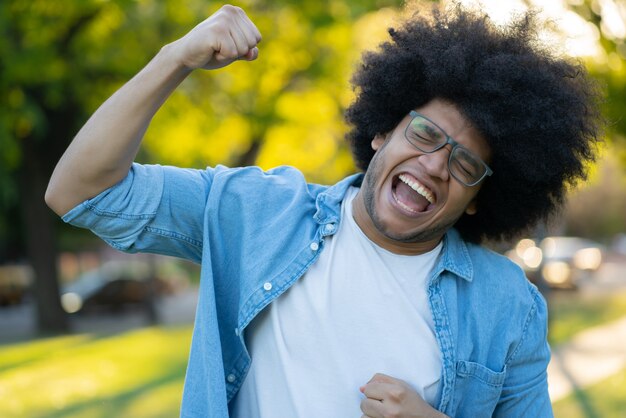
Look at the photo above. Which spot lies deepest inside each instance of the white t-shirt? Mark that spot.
(359, 310)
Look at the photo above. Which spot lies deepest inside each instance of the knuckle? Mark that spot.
(220, 29)
(232, 10)
(397, 394)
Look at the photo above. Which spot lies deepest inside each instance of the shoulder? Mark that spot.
(491, 266)
(503, 284)
(277, 174)
(281, 194)
(255, 180)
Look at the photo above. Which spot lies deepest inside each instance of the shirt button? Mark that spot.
(231, 378)
(314, 246)
(329, 227)
(267, 286)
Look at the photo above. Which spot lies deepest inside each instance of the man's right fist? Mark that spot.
(226, 36)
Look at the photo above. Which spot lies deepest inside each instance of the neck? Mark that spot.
(378, 237)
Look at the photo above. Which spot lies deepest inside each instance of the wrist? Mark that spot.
(171, 57)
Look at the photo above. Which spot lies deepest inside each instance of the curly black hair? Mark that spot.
(539, 112)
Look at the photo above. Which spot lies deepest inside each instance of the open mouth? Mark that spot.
(411, 195)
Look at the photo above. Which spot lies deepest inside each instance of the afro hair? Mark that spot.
(538, 112)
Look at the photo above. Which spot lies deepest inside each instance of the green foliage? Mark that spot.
(62, 59)
(610, 66)
(605, 194)
(284, 108)
(71, 55)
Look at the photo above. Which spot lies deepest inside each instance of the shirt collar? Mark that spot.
(328, 203)
(454, 258)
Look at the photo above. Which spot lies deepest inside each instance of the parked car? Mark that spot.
(562, 262)
(114, 286)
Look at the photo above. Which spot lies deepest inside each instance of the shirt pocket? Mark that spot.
(476, 390)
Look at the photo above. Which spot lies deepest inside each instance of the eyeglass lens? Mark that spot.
(428, 137)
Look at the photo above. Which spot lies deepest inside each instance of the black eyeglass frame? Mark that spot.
(449, 140)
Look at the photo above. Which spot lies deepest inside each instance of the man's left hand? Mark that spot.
(388, 397)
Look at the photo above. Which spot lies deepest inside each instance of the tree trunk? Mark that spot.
(249, 157)
(40, 240)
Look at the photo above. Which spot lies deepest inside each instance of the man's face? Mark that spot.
(408, 199)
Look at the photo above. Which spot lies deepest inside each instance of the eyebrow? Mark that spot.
(470, 157)
(429, 128)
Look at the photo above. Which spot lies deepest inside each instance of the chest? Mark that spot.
(353, 314)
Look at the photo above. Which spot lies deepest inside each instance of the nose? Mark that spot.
(436, 163)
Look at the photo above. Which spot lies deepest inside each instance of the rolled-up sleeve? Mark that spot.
(157, 209)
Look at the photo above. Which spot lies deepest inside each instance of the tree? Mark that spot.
(62, 59)
(608, 22)
(597, 208)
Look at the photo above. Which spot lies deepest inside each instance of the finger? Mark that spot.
(250, 27)
(240, 40)
(246, 28)
(227, 50)
(377, 390)
(372, 408)
(251, 55)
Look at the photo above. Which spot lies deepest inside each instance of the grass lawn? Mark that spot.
(603, 400)
(135, 374)
(572, 312)
(140, 373)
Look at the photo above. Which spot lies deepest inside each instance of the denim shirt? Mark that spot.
(255, 233)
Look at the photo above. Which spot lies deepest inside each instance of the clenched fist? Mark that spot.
(388, 397)
(226, 36)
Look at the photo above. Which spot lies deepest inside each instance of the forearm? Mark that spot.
(103, 150)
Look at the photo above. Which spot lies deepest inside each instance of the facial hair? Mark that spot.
(368, 189)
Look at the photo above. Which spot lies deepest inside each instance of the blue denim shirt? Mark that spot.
(255, 233)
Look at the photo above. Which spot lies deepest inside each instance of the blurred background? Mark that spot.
(86, 331)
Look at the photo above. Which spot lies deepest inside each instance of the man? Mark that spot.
(388, 306)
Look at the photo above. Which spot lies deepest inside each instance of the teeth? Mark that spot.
(419, 188)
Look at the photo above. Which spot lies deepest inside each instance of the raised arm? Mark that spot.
(103, 150)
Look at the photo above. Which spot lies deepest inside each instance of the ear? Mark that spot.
(378, 141)
(471, 208)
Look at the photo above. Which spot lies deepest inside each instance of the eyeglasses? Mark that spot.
(428, 137)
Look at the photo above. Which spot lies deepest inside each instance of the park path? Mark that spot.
(589, 357)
